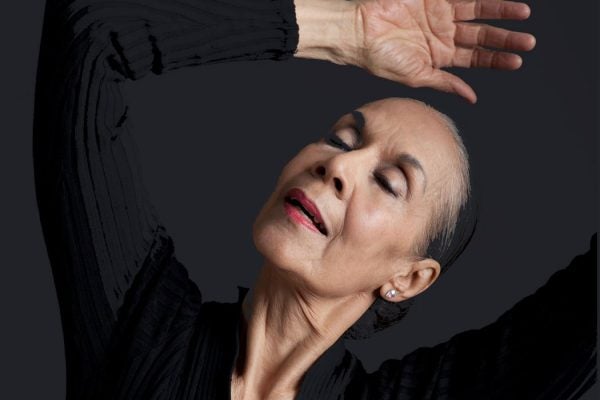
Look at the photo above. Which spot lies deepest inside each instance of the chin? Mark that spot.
(279, 245)
(271, 243)
(281, 249)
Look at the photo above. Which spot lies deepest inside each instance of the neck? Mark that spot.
(287, 328)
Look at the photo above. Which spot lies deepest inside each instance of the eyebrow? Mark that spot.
(359, 119)
(404, 159)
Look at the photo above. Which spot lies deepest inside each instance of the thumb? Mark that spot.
(447, 82)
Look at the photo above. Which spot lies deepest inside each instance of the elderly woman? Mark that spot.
(358, 223)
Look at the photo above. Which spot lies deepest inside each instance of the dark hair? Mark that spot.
(448, 233)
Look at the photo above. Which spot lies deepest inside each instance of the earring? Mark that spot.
(390, 294)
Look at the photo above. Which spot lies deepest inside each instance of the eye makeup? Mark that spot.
(384, 183)
(404, 161)
(335, 141)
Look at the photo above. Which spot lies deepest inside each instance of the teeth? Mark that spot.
(319, 225)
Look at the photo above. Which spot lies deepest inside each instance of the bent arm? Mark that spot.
(542, 348)
(99, 226)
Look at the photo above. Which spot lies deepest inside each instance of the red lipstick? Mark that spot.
(303, 210)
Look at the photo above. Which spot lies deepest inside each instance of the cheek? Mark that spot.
(367, 222)
(300, 163)
(372, 236)
(364, 242)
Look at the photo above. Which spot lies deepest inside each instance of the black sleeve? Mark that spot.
(542, 348)
(99, 226)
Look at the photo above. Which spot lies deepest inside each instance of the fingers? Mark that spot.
(470, 38)
(472, 35)
(490, 9)
(446, 82)
(484, 58)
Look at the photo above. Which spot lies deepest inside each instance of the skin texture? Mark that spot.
(409, 41)
(313, 287)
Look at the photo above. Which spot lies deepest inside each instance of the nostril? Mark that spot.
(321, 170)
(338, 184)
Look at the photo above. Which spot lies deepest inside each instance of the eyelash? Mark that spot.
(335, 141)
(384, 184)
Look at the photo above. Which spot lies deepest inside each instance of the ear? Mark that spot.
(412, 281)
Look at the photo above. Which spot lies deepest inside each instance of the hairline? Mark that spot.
(443, 220)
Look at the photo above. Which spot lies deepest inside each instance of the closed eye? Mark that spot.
(385, 185)
(335, 141)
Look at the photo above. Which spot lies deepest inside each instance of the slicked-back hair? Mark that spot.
(447, 233)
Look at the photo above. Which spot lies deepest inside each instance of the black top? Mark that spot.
(135, 325)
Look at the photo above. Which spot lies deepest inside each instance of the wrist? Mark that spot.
(328, 30)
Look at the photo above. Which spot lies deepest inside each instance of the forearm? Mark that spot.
(329, 30)
(157, 36)
(82, 133)
(99, 225)
(83, 146)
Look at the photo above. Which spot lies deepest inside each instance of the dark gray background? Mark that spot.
(532, 139)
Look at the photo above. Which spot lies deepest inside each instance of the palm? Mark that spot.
(410, 40)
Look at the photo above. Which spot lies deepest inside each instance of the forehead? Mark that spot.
(406, 120)
(398, 126)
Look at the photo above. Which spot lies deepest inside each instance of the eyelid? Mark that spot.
(356, 134)
(406, 178)
(337, 142)
(385, 183)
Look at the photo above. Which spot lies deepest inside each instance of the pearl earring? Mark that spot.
(390, 294)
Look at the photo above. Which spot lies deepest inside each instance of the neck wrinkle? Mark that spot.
(285, 331)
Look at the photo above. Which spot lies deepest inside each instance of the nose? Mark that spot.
(322, 171)
(335, 171)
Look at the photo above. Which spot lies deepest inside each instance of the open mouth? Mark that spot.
(315, 220)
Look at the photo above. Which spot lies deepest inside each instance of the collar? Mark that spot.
(327, 377)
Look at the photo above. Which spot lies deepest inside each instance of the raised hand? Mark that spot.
(409, 41)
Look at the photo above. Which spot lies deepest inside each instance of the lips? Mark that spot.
(297, 198)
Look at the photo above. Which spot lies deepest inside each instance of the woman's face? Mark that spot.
(374, 180)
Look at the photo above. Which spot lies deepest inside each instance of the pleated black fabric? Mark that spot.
(135, 326)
